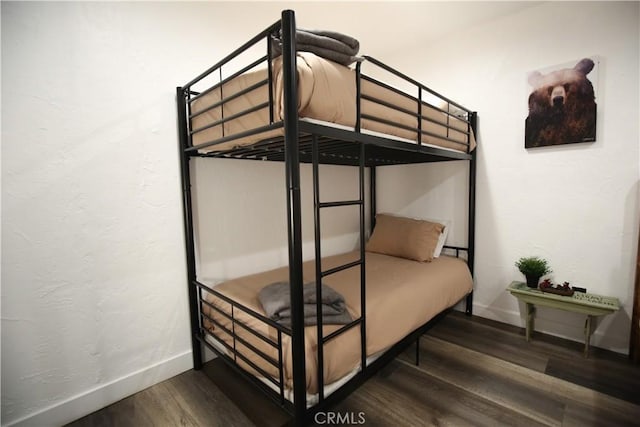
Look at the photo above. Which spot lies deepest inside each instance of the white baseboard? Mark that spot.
(570, 329)
(105, 394)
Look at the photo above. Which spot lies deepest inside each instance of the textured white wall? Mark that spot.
(577, 204)
(92, 260)
(93, 296)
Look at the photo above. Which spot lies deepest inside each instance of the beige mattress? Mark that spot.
(326, 92)
(401, 296)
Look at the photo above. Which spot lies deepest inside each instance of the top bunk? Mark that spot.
(243, 106)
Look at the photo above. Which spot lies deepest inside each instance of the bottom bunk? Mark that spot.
(402, 295)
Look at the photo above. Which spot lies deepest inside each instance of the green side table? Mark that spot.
(589, 304)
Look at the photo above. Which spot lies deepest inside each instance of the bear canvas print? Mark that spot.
(562, 105)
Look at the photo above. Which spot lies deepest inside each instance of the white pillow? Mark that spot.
(443, 237)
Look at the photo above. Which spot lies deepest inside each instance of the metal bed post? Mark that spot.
(372, 197)
(294, 220)
(472, 212)
(363, 278)
(318, 252)
(188, 228)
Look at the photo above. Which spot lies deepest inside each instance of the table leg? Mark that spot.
(531, 312)
(587, 335)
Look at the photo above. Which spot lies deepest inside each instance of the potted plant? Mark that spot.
(533, 268)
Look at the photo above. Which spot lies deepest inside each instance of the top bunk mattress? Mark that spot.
(326, 92)
(401, 296)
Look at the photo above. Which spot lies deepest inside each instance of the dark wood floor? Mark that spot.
(472, 372)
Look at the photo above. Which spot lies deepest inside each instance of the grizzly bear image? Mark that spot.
(562, 107)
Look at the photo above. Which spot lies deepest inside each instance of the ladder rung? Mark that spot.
(343, 203)
(340, 268)
(341, 330)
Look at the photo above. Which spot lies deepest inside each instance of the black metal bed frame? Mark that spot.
(306, 142)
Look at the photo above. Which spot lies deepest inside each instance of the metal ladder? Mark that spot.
(320, 274)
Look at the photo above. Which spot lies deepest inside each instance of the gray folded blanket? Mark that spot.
(331, 45)
(276, 301)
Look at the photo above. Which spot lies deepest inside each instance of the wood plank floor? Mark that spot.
(472, 372)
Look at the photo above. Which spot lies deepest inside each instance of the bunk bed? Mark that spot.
(296, 107)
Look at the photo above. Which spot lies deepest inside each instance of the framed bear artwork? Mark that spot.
(562, 104)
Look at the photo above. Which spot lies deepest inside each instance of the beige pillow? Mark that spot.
(404, 237)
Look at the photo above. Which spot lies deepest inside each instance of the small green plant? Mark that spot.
(533, 266)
